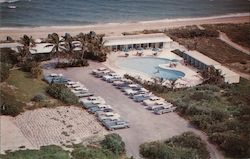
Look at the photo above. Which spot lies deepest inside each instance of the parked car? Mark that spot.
(102, 73)
(84, 94)
(141, 97)
(130, 92)
(152, 100)
(101, 69)
(91, 104)
(79, 90)
(96, 109)
(163, 110)
(157, 104)
(108, 115)
(116, 125)
(114, 78)
(118, 82)
(55, 78)
(91, 99)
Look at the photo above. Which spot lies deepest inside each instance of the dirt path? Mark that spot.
(227, 40)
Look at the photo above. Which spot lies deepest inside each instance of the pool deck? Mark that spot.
(190, 79)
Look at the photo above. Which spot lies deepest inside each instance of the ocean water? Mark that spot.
(82, 12)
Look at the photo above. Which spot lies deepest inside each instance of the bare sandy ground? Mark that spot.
(118, 28)
(60, 126)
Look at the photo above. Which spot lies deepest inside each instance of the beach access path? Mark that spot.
(117, 28)
(145, 126)
(226, 39)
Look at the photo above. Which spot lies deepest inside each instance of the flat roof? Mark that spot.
(136, 39)
(41, 48)
(208, 61)
(202, 58)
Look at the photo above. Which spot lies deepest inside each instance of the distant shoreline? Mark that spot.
(118, 28)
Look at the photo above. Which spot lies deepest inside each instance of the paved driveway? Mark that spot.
(145, 126)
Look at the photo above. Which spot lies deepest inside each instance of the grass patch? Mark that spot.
(21, 87)
(26, 86)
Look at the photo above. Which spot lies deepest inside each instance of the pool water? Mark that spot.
(150, 66)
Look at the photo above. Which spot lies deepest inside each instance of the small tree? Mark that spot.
(211, 75)
(114, 143)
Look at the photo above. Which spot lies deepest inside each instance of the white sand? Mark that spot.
(59, 126)
(118, 28)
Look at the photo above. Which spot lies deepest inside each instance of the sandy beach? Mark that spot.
(118, 28)
(60, 126)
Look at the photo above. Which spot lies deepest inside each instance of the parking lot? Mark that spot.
(144, 125)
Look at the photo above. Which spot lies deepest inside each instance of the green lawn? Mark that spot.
(26, 87)
(23, 88)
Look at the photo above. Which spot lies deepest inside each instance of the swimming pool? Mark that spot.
(150, 66)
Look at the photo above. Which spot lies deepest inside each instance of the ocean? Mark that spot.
(21, 13)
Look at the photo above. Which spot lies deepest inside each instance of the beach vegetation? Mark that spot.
(114, 143)
(4, 71)
(73, 63)
(48, 152)
(61, 92)
(220, 110)
(17, 92)
(238, 33)
(10, 105)
(93, 46)
(206, 41)
(186, 146)
(211, 75)
(94, 150)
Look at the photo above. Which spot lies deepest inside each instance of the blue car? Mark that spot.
(141, 97)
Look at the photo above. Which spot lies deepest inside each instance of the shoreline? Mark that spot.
(118, 28)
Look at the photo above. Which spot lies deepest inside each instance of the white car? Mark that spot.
(55, 75)
(79, 89)
(163, 110)
(78, 84)
(153, 100)
(158, 105)
(99, 70)
(92, 99)
(103, 106)
(130, 92)
(108, 115)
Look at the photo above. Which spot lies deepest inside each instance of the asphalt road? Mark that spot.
(144, 125)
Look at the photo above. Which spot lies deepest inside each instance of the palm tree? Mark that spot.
(55, 42)
(24, 51)
(27, 41)
(84, 44)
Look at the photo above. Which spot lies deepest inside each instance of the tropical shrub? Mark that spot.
(62, 93)
(185, 146)
(4, 71)
(39, 98)
(74, 63)
(114, 143)
(83, 152)
(9, 105)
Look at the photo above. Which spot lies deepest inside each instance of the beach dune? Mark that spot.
(118, 28)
